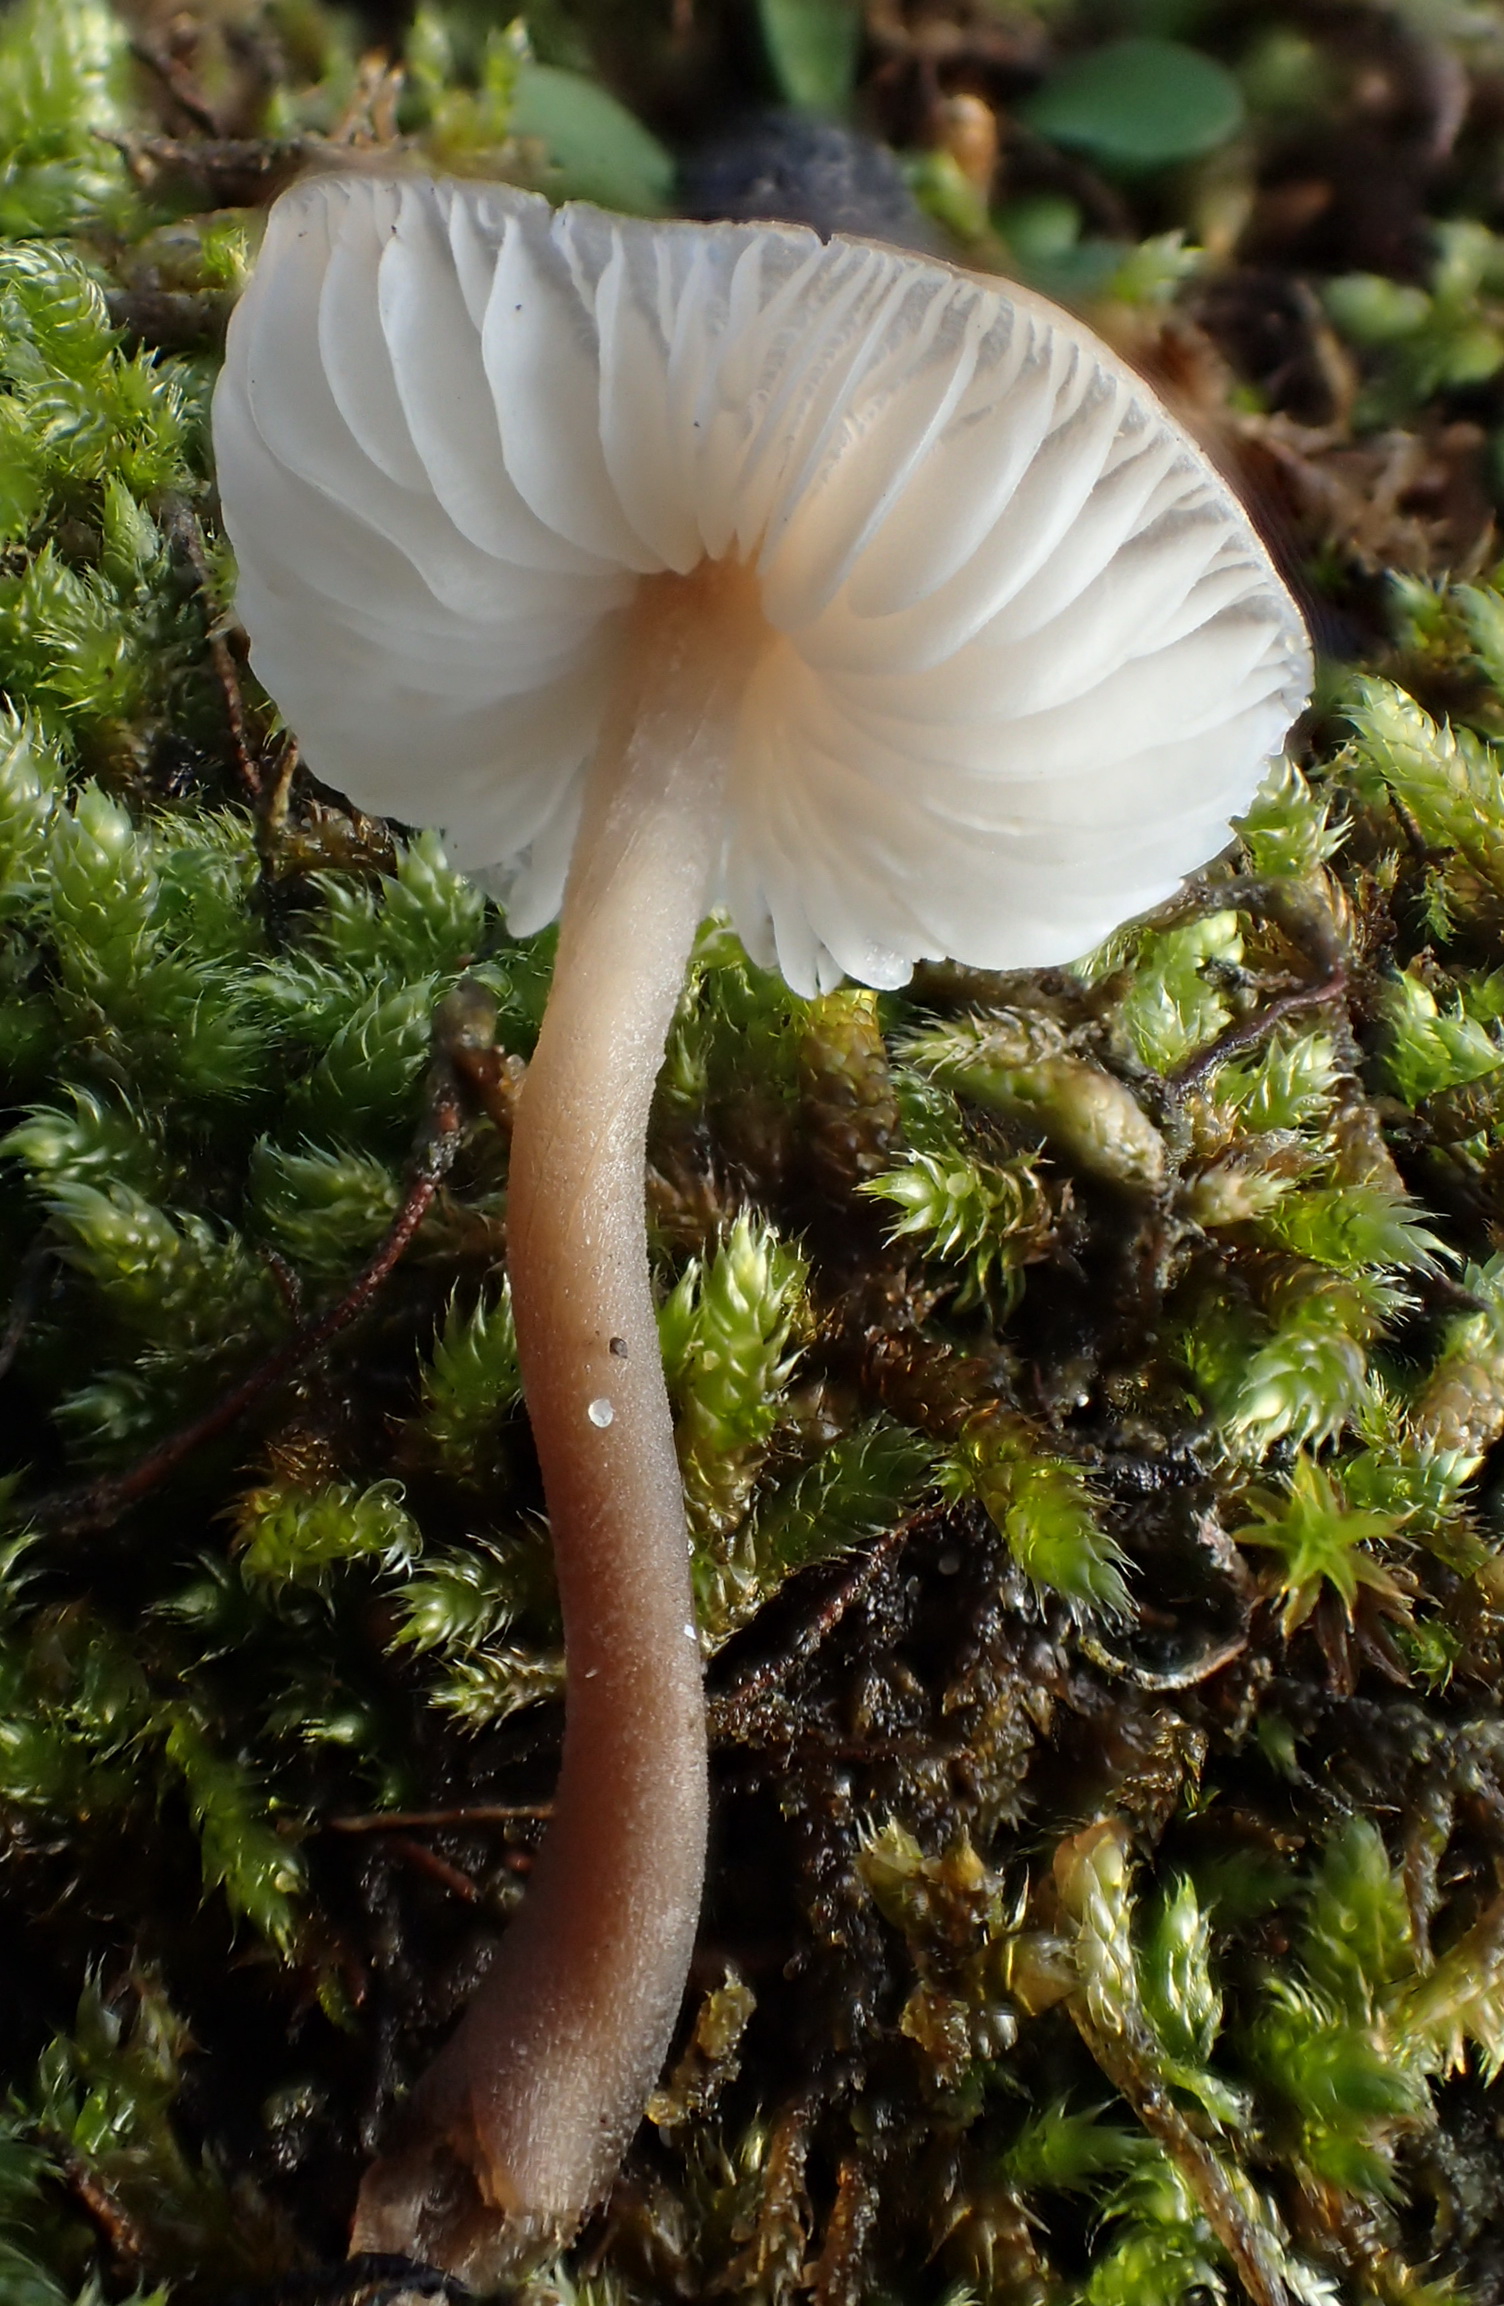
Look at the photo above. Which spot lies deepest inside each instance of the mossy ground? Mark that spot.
(1090, 1386)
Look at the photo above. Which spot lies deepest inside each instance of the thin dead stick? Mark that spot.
(426, 1861)
(1251, 1030)
(466, 1030)
(178, 82)
(215, 171)
(1198, 2162)
(272, 815)
(72, 1512)
(416, 1821)
(731, 1706)
(113, 2223)
(183, 528)
(493, 1079)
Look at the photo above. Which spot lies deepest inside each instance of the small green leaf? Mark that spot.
(1138, 104)
(813, 47)
(597, 149)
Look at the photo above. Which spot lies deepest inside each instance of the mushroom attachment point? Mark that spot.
(664, 566)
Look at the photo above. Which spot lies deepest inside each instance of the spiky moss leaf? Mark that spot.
(1298, 1373)
(73, 652)
(262, 1875)
(1242, 1188)
(1447, 779)
(471, 1384)
(1354, 1228)
(102, 1139)
(104, 656)
(324, 1207)
(1481, 610)
(725, 1332)
(1093, 1876)
(92, 414)
(206, 871)
(167, 1277)
(846, 1095)
(856, 1490)
(1289, 1084)
(187, 1020)
(1013, 1066)
(1159, 2247)
(734, 1045)
(894, 1870)
(1175, 1003)
(1288, 832)
(487, 1686)
(1348, 2093)
(1042, 1505)
(31, 781)
(103, 890)
(1419, 1489)
(1061, 2150)
(1175, 1977)
(422, 920)
(77, 1717)
(367, 1077)
(1357, 1940)
(296, 1535)
(978, 1214)
(62, 77)
(101, 2103)
(1458, 1410)
(1460, 2002)
(1318, 1540)
(465, 1600)
(1426, 1049)
(73, 1707)
(118, 1411)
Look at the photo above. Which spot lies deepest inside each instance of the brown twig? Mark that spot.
(730, 1707)
(1197, 2161)
(410, 1821)
(182, 526)
(465, 1029)
(426, 1861)
(216, 172)
(178, 82)
(110, 2219)
(1251, 1030)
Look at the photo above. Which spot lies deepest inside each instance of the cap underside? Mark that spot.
(1026, 654)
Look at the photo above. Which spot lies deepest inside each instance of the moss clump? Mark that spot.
(1089, 1385)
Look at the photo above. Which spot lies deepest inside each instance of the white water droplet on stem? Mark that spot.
(600, 1411)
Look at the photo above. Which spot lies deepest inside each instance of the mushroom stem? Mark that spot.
(519, 2125)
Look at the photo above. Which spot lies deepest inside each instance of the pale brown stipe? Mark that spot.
(535, 2097)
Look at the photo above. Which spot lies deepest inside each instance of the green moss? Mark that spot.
(1088, 1386)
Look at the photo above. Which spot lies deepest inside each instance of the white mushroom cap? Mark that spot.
(1025, 654)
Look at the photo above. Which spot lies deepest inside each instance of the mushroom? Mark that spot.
(667, 565)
